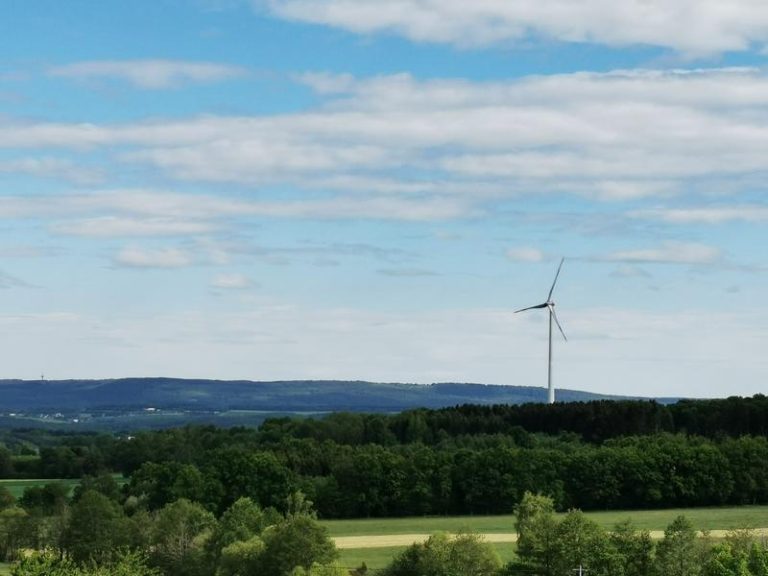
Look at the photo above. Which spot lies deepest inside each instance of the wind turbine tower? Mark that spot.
(550, 305)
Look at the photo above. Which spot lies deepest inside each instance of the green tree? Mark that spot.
(332, 569)
(48, 500)
(179, 539)
(582, 542)
(725, 560)
(103, 483)
(241, 558)
(46, 564)
(6, 498)
(441, 555)
(241, 522)
(256, 475)
(634, 549)
(97, 527)
(677, 554)
(758, 559)
(6, 463)
(297, 541)
(15, 533)
(536, 528)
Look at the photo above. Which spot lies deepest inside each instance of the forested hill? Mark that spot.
(281, 396)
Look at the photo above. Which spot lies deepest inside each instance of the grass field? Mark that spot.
(17, 487)
(377, 558)
(702, 519)
(5, 569)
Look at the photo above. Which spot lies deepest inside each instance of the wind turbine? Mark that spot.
(549, 304)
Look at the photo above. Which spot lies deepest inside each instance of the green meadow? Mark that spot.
(17, 487)
(702, 518)
(377, 558)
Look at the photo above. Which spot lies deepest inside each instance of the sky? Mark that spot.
(368, 190)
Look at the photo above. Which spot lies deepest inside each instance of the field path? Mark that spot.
(392, 540)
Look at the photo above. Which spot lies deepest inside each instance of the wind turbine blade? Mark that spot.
(532, 307)
(555, 280)
(552, 311)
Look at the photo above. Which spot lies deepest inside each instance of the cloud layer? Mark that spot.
(693, 27)
(149, 74)
(620, 135)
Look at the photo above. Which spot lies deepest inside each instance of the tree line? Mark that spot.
(473, 475)
(479, 474)
(101, 531)
(548, 546)
(593, 421)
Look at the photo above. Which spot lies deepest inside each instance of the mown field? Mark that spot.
(702, 518)
(654, 520)
(17, 487)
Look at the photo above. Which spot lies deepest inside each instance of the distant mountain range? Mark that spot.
(130, 394)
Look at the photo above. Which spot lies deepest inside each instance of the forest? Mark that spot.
(462, 460)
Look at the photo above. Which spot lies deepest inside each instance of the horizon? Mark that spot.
(275, 190)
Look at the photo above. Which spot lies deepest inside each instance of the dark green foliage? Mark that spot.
(6, 498)
(464, 460)
(241, 522)
(97, 528)
(440, 555)
(298, 541)
(537, 534)
(47, 500)
(677, 554)
(16, 533)
(104, 484)
(166, 482)
(256, 475)
(179, 539)
(124, 564)
(6, 463)
(634, 548)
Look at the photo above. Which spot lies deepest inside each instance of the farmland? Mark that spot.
(376, 557)
(703, 518)
(17, 487)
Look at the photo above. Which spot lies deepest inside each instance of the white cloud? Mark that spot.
(150, 74)
(135, 257)
(630, 271)
(156, 213)
(113, 226)
(47, 167)
(670, 253)
(231, 282)
(693, 27)
(614, 136)
(708, 215)
(525, 254)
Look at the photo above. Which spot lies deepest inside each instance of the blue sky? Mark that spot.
(351, 189)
